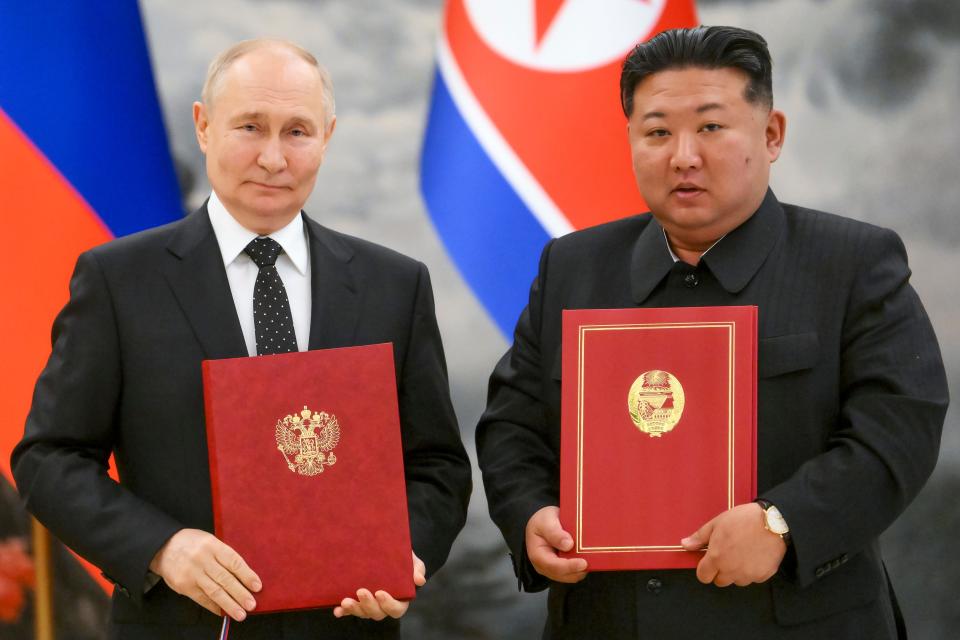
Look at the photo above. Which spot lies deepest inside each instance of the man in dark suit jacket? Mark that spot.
(851, 395)
(124, 376)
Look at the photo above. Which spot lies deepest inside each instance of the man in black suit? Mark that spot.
(852, 392)
(124, 376)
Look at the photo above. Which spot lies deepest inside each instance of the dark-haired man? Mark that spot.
(852, 392)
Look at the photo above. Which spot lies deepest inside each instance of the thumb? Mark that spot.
(698, 540)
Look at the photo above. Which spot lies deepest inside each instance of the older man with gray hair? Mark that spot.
(124, 377)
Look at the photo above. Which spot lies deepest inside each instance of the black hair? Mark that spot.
(706, 48)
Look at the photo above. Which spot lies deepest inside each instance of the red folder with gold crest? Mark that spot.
(658, 429)
(306, 469)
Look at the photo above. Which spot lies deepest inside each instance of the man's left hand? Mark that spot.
(381, 604)
(740, 550)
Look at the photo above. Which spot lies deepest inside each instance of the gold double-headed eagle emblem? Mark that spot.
(309, 438)
(655, 402)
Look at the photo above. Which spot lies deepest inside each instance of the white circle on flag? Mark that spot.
(563, 35)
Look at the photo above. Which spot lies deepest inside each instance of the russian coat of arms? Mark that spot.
(307, 441)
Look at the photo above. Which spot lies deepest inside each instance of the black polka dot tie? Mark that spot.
(272, 319)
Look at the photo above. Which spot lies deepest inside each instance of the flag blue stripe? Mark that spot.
(492, 236)
(76, 78)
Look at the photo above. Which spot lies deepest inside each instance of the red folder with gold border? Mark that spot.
(658, 429)
(306, 469)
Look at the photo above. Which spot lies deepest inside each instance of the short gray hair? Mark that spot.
(222, 62)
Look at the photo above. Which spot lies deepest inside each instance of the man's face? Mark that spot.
(264, 136)
(701, 152)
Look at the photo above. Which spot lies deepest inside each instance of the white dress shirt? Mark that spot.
(293, 265)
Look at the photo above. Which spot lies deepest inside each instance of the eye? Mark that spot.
(248, 127)
(711, 126)
(657, 133)
(298, 133)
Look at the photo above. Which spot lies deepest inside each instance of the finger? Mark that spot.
(722, 580)
(419, 571)
(553, 533)
(548, 563)
(201, 599)
(700, 539)
(370, 605)
(393, 608)
(348, 607)
(217, 593)
(236, 565)
(571, 578)
(706, 569)
(229, 583)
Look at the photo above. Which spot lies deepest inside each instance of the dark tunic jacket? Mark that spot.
(851, 400)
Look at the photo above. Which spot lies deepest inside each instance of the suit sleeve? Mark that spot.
(438, 475)
(61, 463)
(519, 464)
(893, 399)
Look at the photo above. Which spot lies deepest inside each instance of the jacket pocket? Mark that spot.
(787, 353)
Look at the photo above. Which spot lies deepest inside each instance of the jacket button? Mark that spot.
(654, 585)
(691, 280)
(820, 571)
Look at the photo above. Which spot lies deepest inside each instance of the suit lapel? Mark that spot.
(197, 276)
(335, 300)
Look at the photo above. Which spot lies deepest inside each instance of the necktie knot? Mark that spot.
(263, 251)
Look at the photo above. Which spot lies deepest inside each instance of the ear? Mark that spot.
(774, 133)
(200, 124)
(327, 134)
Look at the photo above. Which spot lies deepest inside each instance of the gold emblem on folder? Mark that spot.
(655, 402)
(307, 441)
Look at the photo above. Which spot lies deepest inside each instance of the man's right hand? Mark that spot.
(197, 565)
(544, 536)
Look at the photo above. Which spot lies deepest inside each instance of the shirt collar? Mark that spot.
(733, 260)
(233, 237)
(674, 255)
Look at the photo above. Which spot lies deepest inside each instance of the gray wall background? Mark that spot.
(870, 88)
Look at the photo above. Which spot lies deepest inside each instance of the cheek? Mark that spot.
(306, 162)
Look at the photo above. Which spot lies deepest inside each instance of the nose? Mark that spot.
(686, 153)
(271, 157)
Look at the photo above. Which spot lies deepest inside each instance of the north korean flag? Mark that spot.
(526, 139)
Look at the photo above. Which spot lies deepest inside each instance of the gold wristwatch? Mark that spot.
(773, 520)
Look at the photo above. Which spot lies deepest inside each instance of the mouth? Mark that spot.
(687, 190)
(269, 187)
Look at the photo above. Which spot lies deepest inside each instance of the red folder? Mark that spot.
(658, 429)
(306, 468)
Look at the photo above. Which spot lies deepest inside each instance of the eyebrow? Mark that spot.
(249, 115)
(710, 106)
(258, 115)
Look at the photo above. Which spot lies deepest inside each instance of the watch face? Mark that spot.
(775, 521)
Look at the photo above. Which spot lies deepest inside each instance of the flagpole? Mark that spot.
(43, 592)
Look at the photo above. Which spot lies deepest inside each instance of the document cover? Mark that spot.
(658, 429)
(306, 469)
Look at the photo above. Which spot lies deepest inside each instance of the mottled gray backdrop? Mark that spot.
(871, 90)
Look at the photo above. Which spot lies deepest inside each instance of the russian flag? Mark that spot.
(84, 159)
(526, 139)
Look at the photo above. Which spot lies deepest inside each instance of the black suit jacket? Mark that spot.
(852, 396)
(124, 378)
